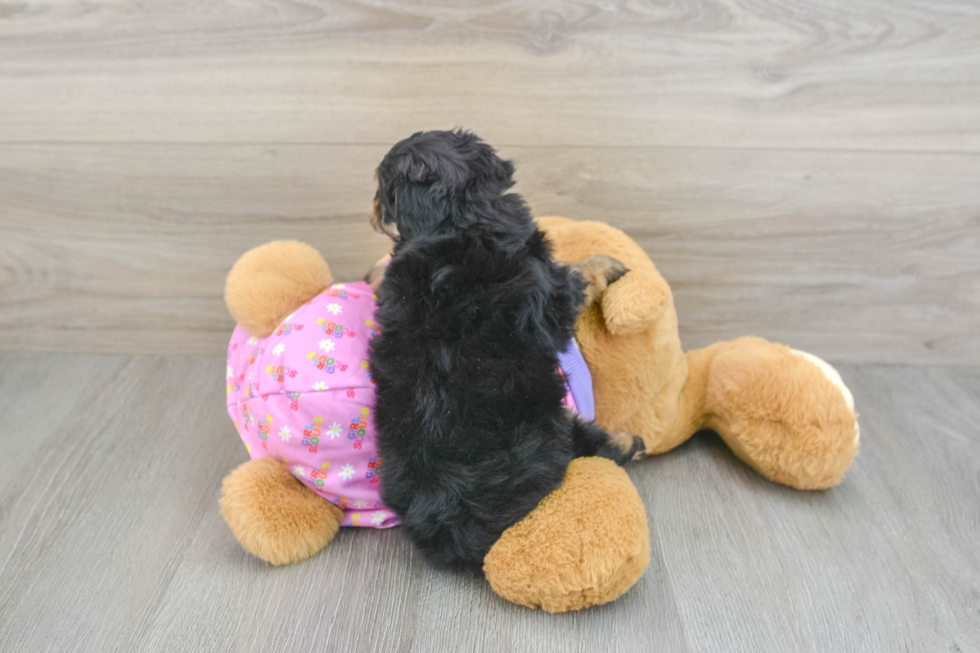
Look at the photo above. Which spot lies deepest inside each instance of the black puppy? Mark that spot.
(471, 310)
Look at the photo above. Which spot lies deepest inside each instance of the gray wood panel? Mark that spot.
(802, 170)
(111, 539)
(887, 561)
(871, 74)
(862, 256)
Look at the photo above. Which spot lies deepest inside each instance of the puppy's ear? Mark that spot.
(424, 209)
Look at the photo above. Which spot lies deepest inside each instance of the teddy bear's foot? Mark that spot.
(271, 281)
(786, 413)
(274, 516)
(834, 377)
(585, 544)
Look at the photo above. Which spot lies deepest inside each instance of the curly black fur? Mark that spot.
(471, 426)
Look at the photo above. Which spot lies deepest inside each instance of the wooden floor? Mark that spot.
(111, 538)
(802, 170)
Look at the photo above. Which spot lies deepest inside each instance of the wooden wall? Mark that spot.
(808, 171)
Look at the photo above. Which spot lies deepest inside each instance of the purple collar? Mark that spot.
(578, 380)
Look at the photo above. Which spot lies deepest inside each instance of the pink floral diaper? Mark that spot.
(305, 395)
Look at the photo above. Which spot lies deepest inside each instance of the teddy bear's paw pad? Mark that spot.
(274, 516)
(585, 544)
(834, 377)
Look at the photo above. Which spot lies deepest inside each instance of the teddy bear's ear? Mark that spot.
(635, 302)
(271, 281)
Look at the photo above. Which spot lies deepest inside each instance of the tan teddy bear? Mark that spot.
(784, 412)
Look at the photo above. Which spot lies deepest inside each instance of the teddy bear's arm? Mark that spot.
(635, 302)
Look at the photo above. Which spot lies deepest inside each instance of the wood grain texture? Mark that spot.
(126, 248)
(111, 538)
(802, 170)
(876, 564)
(840, 74)
(861, 256)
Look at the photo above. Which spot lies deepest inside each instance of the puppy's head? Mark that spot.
(429, 182)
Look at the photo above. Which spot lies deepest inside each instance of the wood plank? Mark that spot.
(874, 74)
(854, 256)
(125, 248)
(111, 538)
(115, 462)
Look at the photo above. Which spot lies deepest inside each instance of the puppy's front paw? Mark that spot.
(610, 268)
(375, 276)
(639, 448)
(599, 271)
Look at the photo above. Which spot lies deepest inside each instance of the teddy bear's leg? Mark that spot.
(274, 516)
(271, 281)
(585, 544)
(785, 413)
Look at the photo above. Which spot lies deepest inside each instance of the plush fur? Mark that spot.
(585, 544)
(785, 413)
(271, 281)
(274, 516)
(471, 426)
